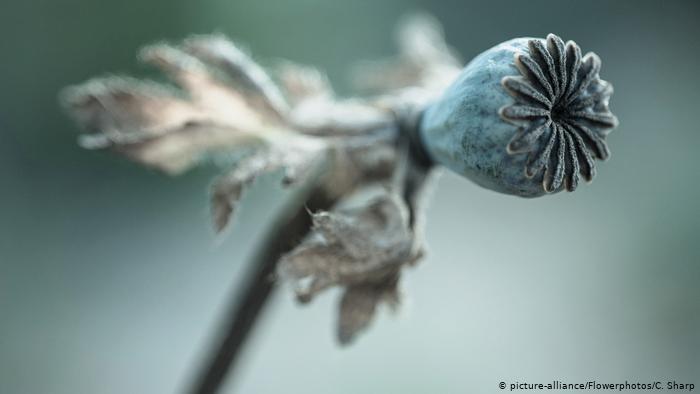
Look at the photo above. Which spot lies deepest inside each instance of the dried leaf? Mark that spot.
(182, 148)
(228, 103)
(326, 116)
(424, 60)
(224, 102)
(217, 51)
(351, 246)
(422, 40)
(303, 82)
(317, 111)
(358, 306)
(297, 158)
(126, 110)
(208, 89)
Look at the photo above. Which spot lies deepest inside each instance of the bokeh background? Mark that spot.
(111, 280)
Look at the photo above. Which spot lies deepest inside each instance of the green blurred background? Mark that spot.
(111, 280)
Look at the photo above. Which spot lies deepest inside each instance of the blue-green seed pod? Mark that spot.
(526, 117)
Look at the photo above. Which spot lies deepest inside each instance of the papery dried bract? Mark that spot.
(359, 303)
(359, 248)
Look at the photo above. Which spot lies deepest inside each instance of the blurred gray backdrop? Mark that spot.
(111, 280)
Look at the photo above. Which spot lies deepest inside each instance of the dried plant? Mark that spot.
(365, 161)
(228, 105)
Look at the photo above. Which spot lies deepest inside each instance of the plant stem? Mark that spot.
(288, 230)
(245, 307)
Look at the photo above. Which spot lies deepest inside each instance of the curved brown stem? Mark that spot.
(245, 307)
(286, 233)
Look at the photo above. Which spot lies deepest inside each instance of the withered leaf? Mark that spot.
(359, 303)
(297, 159)
(352, 245)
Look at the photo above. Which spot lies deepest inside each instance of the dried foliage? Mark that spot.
(222, 104)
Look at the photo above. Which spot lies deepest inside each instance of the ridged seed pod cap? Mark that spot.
(526, 117)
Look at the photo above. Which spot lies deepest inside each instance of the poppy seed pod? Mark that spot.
(526, 117)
